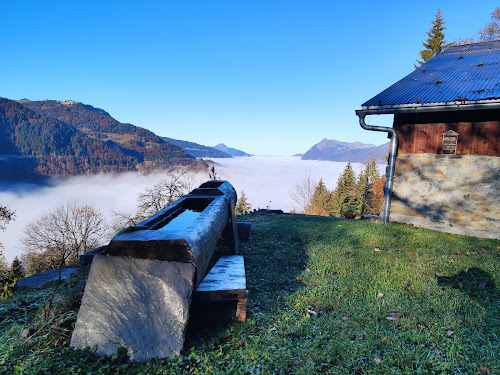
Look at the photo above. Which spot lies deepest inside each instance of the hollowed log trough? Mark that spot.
(138, 294)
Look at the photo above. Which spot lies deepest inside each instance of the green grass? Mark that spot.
(320, 294)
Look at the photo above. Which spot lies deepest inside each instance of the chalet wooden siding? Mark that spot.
(422, 133)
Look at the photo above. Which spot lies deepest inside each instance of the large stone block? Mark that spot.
(400, 209)
(457, 217)
(139, 304)
(478, 197)
(404, 165)
(448, 186)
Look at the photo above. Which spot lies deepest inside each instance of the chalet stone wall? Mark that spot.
(450, 193)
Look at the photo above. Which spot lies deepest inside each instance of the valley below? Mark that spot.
(266, 180)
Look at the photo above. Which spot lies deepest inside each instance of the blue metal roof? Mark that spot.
(461, 74)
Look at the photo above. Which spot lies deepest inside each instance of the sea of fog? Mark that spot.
(266, 180)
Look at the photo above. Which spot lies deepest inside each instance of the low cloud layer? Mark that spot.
(267, 181)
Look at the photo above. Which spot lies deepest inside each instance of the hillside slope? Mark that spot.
(150, 150)
(34, 145)
(323, 301)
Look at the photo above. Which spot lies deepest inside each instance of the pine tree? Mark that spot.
(435, 42)
(243, 207)
(369, 201)
(4, 271)
(319, 200)
(16, 270)
(345, 198)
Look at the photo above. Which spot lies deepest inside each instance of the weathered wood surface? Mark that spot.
(422, 133)
(198, 220)
(226, 282)
(226, 278)
(139, 293)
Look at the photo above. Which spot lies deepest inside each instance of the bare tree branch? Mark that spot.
(302, 195)
(66, 232)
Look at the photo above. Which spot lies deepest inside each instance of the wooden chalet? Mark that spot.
(444, 167)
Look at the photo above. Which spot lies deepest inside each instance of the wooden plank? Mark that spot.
(224, 284)
(479, 133)
(241, 310)
(491, 138)
(422, 137)
(428, 142)
(496, 138)
(483, 137)
(226, 281)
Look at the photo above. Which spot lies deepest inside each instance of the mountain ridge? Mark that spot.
(231, 151)
(355, 152)
(197, 150)
(69, 138)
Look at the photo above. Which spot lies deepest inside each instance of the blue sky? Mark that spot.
(269, 77)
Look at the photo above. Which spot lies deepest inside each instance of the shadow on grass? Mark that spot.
(477, 283)
(275, 257)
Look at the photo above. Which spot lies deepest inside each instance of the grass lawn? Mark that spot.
(326, 296)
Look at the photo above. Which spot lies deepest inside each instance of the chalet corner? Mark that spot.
(444, 167)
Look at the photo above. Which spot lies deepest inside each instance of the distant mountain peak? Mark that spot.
(198, 151)
(355, 152)
(231, 151)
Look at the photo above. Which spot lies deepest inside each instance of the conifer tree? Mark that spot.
(369, 198)
(4, 271)
(345, 198)
(320, 200)
(16, 269)
(435, 42)
(243, 207)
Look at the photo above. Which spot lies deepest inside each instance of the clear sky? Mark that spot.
(270, 77)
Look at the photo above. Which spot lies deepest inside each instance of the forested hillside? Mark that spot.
(150, 150)
(34, 145)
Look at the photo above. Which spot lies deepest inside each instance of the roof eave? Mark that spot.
(429, 107)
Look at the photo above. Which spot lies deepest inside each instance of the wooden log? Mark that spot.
(139, 292)
(186, 231)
